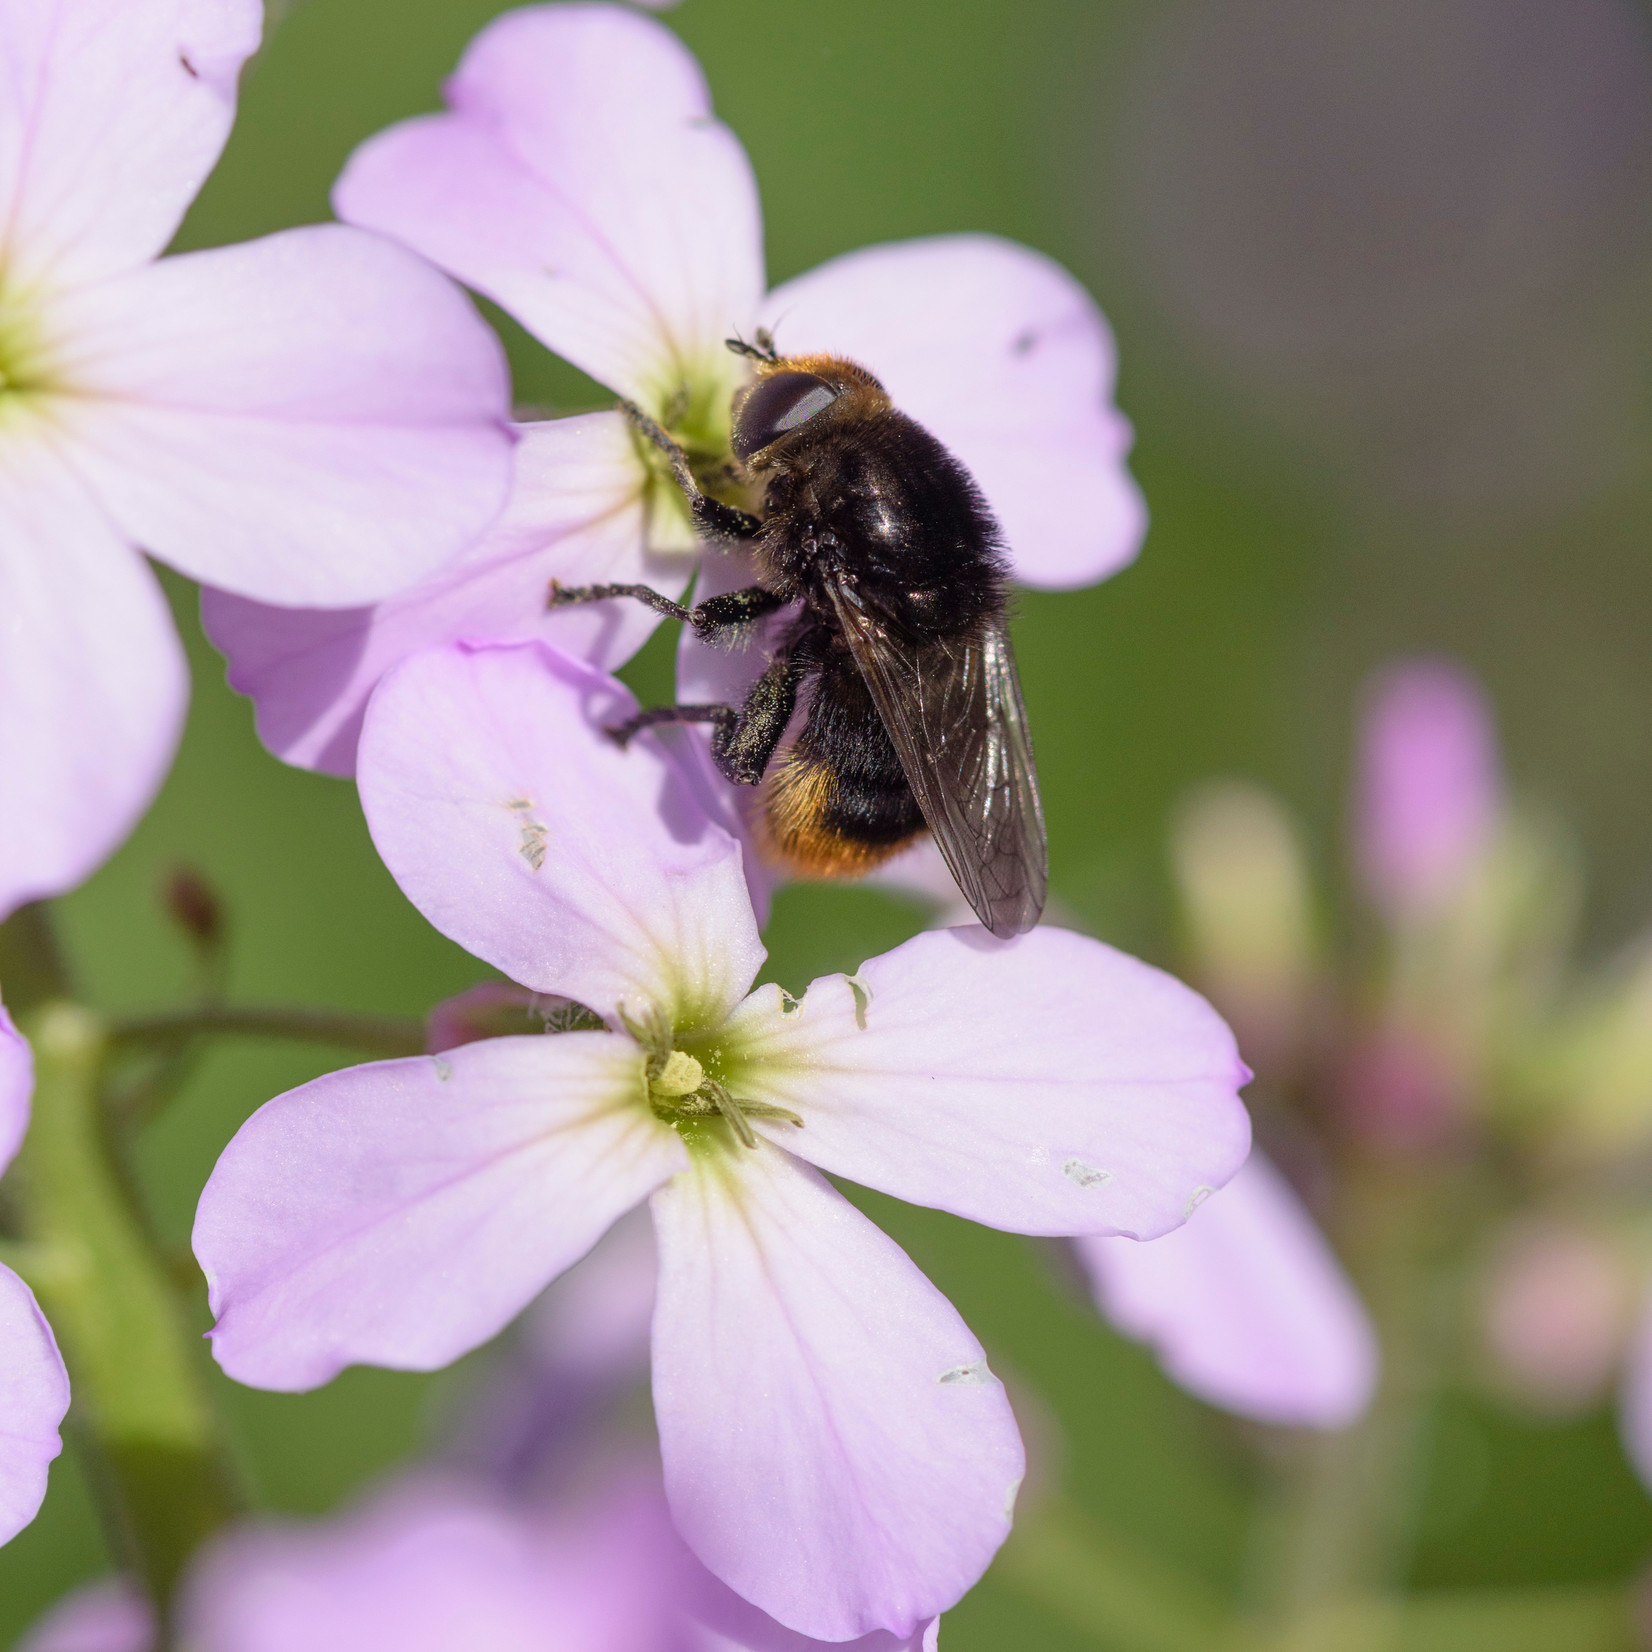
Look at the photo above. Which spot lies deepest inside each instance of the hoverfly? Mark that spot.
(915, 718)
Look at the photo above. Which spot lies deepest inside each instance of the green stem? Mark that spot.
(141, 1407)
(1342, 1528)
(382, 1035)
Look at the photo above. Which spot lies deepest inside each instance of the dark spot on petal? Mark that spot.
(1025, 342)
(189, 68)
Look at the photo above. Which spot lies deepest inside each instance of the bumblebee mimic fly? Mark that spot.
(914, 716)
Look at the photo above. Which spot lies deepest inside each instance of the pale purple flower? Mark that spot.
(581, 180)
(545, 1534)
(1429, 789)
(835, 1448)
(544, 1415)
(34, 1387)
(1246, 1306)
(315, 417)
(432, 1566)
(111, 1615)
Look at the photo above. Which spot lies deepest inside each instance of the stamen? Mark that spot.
(731, 1110)
(736, 1111)
(653, 1032)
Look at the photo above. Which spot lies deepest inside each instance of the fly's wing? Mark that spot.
(954, 711)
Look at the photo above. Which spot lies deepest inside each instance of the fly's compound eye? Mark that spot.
(778, 406)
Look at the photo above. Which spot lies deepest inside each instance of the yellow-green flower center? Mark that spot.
(688, 1089)
(694, 405)
(26, 371)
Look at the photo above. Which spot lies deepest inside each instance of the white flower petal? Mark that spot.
(1005, 358)
(835, 1448)
(401, 1213)
(582, 182)
(1246, 1305)
(576, 513)
(1045, 1085)
(112, 113)
(518, 827)
(93, 683)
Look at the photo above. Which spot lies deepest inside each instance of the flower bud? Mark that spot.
(194, 905)
(1592, 1075)
(1556, 1301)
(1429, 791)
(1245, 899)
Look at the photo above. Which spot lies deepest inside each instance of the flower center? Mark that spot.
(684, 1094)
(695, 408)
(24, 369)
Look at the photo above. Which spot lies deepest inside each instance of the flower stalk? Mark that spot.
(374, 1035)
(142, 1416)
(1345, 1517)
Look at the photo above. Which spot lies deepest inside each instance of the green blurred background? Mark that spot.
(1378, 270)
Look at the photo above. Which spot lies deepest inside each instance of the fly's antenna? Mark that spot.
(762, 350)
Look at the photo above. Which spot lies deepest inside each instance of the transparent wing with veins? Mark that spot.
(954, 711)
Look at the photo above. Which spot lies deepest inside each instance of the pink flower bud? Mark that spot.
(1429, 786)
(1555, 1314)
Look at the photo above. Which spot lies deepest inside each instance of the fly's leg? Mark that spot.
(711, 516)
(622, 734)
(743, 738)
(565, 596)
(711, 618)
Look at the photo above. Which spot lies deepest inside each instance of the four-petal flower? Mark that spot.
(835, 1446)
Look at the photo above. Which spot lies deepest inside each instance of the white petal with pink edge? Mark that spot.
(582, 182)
(1046, 1085)
(401, 1213)
(835, 1448)
(34, 1395)
(16, 1088)
(1247, 1306)
(93, 683)
(1005, 358)
(720, 1621)
(577, 512)
(518, 827)
(314, 418)
(111, 116)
